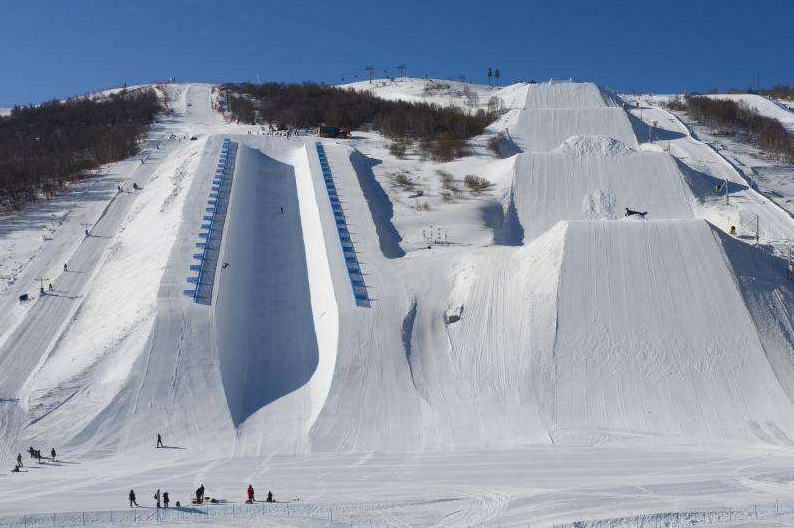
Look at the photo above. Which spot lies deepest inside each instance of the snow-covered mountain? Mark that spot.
(510, 337)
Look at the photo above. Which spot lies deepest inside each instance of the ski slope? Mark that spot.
(763, 105)
(540, 364)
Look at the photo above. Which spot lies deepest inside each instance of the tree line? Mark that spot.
(43, 147)
(441, 132)
(730, 117)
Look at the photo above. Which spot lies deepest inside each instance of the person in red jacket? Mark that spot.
(250, 494)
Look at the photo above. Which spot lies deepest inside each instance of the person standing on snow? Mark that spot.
(157, 499)
(132, 499)
(250, 493)
(52, 454)
(159, 440)
(19, 460)
(165, 499)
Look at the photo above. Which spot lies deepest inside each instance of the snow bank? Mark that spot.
(578, 146)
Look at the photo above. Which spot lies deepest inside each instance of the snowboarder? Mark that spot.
(165, 499)
(135, 186)
(250, 494)
(52, 454)
(16, 469)
(225, 265)
(630, 212)
(19, 459)
(133, 502)
(157, 499)
(269, 496)
(159, 440)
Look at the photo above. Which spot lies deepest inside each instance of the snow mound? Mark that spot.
(578, 146)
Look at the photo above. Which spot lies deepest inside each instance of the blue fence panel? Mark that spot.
(212, 223)
(357, 285)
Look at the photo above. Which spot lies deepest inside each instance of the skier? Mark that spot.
(65, 267)
(282, 210)
(165, 499)
(159, 440)
(19, 459)
(132, 499)
(50, 286)
(157, 499)
(250, 494)
(52, 453)
(269, 496)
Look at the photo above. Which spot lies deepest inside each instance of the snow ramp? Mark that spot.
(655, 340)
(569, 95)
(553, 112)
(544, 129)
(594, 178)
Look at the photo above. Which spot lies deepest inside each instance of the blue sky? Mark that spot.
(65, 47)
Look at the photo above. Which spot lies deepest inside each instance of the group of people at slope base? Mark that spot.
(164, 497)
(34, 453)
(163, 500)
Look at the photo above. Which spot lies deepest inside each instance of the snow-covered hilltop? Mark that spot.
(513, 333)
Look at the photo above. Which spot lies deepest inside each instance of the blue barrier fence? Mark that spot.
(348, 248)
(212, 226)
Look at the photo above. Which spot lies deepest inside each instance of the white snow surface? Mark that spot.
(529, 356)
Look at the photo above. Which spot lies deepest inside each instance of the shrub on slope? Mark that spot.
(766, 133)
(441, 131)
(43, 147)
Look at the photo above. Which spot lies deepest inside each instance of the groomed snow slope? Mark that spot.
(562, 94)
(575, 183)
(655, 339)
(544, 129)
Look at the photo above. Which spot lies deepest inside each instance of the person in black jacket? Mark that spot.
(132, 499)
